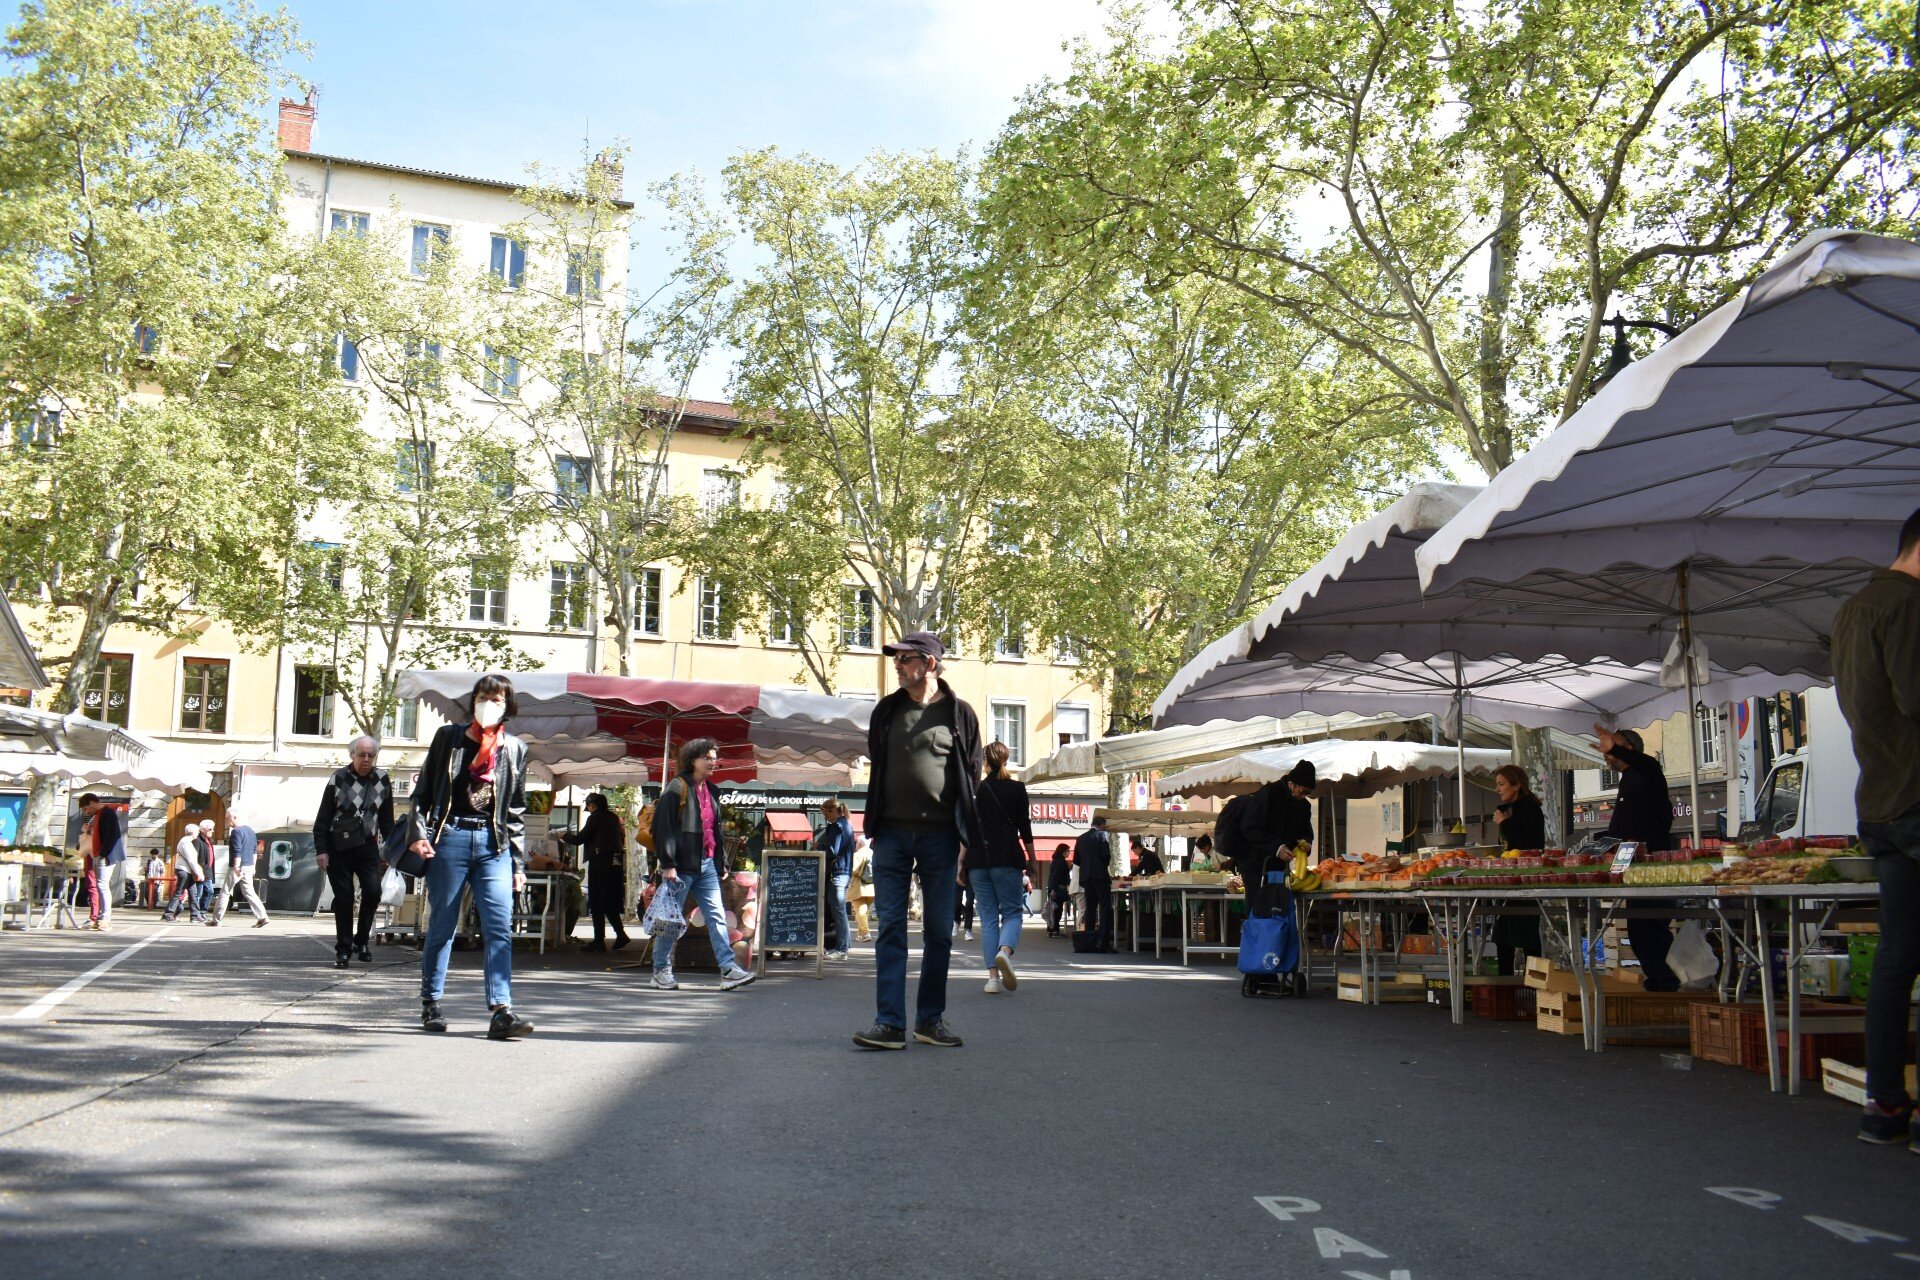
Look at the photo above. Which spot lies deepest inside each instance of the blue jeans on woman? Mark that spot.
(837, 904)
(897, 857)
(704, 888)
(466, 857)
(1001, 895)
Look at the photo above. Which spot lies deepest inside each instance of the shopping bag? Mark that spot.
(1691, 957)
(663, 918)
(393, 888)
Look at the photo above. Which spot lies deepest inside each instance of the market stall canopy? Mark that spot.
(1157, 822)
(1351, 769)
(19, 666)
(1769, 449)
(573, 712)
(44, 744)
(1174, 747)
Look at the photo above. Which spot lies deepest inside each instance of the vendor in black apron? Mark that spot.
(1523, 825)
(1643, 813)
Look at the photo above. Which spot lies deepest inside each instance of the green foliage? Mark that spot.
(148, 300)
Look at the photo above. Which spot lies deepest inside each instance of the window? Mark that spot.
(203, 695)
(346, 358)
(344, 222)
(572, 480)
(323, 570)
(1710, 727)
(36, 428)
(1071, 724)
(646, 602)
(1779, 809)
(719, 490)
(413, 468)
(106, 696)
(429, 243)
(508, 262)
(499, 374)
(424, 370)
(645, 483)
(1069, 651)
(567, 597)
(402, 721)
(583, 274)
(1010, 727)
(498, 477)
(146, 339)
(711, 619)
(1008, 642)
(937, 517)
(784, 623)
(1003, 529)
(856, 618)
(487, 593)
(313, 701)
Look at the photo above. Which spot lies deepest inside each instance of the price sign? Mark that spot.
(1623, 857)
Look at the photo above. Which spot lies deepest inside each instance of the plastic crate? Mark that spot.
(1503, 1004)
(1718, 1032)
(1814, 1044)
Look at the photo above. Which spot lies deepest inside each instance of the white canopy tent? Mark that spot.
(1343, 768)
(19, 666)
(1722, 497)
(44, 744)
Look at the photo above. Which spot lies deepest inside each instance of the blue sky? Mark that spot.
(485, 87)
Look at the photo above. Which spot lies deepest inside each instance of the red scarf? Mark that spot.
(482, 767)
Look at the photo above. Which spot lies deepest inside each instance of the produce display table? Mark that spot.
(1748, 915)
(1136, 898)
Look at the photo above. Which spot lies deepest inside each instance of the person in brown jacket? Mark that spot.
(1876, 673)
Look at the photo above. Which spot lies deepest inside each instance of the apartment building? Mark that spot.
(267, 720)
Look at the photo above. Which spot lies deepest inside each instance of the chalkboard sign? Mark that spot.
(792, 891)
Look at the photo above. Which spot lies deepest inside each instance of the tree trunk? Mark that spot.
(1533, 751)
(1496, 426)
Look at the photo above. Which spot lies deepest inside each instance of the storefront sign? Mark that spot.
(1059, 811)
(735, 798)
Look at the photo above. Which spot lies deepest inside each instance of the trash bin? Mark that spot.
(292, 880)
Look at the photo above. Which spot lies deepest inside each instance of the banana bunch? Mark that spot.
(1301, 879)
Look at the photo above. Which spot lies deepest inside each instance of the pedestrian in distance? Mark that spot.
(469, 822)
(187, 875)
(963, 913)
(208, 889)
(860, 888)
(997, 868)
(693, 861)
(924, 744)
(1522, 824)
(835, 839)
(1059, 888)
(156, 882)
(1876, 673)
(356, 814)
(1642, 813)
(603, 839)
(1092, 858)
(103, 840)
(243, 851)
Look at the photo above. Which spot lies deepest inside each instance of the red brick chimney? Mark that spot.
(609, 163)
(296, 124)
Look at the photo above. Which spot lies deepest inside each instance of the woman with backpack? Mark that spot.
(998, 872)
(692, 854)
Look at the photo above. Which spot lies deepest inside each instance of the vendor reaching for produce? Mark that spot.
(1643, 812)
(1523, 825)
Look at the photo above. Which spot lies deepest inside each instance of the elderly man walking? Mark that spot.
(356, 814)
(925, 747)
(243, 848)
(188, 874)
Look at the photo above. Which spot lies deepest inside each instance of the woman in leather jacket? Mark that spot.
(469, 822)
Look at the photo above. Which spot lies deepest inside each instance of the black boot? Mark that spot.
(364, 953)
(340, 959)
(595, 945)
(505, 1026)
(431, 1019)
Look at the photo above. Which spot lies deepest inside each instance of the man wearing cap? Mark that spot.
(924, 744)
(1642, 813)
(1275, 820)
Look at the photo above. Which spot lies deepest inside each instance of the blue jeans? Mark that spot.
(1001, 895)
(897, 857)
(704, 889)
(466, 858)
(837, 904)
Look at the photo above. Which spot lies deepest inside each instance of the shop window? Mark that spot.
(203, 695)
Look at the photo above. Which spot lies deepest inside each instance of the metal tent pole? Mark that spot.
(1693, 726)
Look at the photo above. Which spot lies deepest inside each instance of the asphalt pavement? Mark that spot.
(225, 1103)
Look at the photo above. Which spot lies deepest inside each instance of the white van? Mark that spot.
(1809, 792)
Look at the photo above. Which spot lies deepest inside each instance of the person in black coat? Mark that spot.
(1093, 854)
(1271, 823)
(1642, 812)
(1523, 825)
(604, 841)
(1150, 863)
(1059, 887)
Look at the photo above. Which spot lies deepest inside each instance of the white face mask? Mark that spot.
(489, 714)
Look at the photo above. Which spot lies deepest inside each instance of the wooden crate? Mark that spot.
(1544, 975)
(1641, 1018)
(1849, 1083)
(1718, 1032)
(1395, 988)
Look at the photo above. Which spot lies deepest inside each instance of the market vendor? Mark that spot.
(1271, 822)
(1523, 825)
(1642, 813)
(1150, 863)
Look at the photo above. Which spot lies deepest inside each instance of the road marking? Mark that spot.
(53, 999)
(1334, 1244)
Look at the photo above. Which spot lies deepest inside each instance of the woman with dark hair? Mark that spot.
(1523, 825)
(1059, 888)
(469, 822)
(692, 857)
(604, 841)
(998, 870)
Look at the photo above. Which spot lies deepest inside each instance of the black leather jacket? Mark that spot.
(433, 794)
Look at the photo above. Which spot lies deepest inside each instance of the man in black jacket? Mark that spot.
(603, 841)
(1272, 821)
(1642, 813)
(1876, 672)
(356, 813)
(925, 749)
(1093, 854)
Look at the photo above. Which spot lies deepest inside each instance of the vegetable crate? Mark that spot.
(1645, 1018)
(1718, 1032)
(1814, 1044)
(1503, 1003)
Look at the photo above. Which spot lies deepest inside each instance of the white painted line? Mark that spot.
(53, 999)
